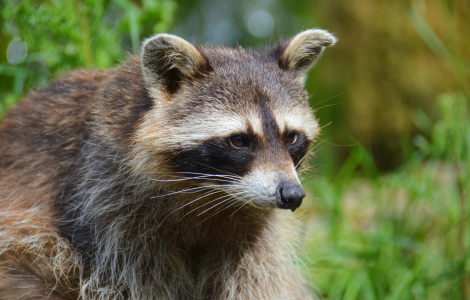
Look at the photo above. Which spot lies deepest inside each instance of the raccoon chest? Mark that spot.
(210, 267)
(196, 259)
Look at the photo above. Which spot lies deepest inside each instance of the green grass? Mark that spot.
(403, 235)
(397, 237)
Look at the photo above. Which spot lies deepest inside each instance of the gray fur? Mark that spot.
(94, 201)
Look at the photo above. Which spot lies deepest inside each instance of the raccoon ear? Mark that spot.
(168, 62)
(302, 51)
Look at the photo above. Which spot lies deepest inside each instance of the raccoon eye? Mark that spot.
(292, 138)
(238, 141)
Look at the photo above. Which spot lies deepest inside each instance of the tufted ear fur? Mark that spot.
(302, 51)
(168, 62)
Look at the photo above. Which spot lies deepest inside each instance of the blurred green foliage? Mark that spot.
(402, 235)
(393, 95)
(61, 35)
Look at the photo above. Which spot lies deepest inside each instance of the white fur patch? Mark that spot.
(299, 119)
(260, 186)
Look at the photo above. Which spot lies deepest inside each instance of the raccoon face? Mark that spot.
(230, 120)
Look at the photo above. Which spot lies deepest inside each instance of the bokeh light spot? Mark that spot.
(260, 23)
(17, 51)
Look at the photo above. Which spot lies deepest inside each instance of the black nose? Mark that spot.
(290, 196)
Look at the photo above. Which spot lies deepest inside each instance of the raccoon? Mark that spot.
(172, 176)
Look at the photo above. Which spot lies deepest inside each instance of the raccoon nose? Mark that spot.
(290, 196)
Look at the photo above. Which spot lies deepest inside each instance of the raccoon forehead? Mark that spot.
(193, 129)
(297, 118)
(222, 120)
(173, 133)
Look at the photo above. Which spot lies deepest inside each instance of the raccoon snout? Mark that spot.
(290, 196)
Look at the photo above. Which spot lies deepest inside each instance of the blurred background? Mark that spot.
(388, 212)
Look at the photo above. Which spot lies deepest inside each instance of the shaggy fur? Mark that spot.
(160, 179)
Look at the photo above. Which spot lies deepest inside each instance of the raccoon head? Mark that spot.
(230, 120)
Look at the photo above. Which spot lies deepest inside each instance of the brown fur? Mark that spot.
(91, 209)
